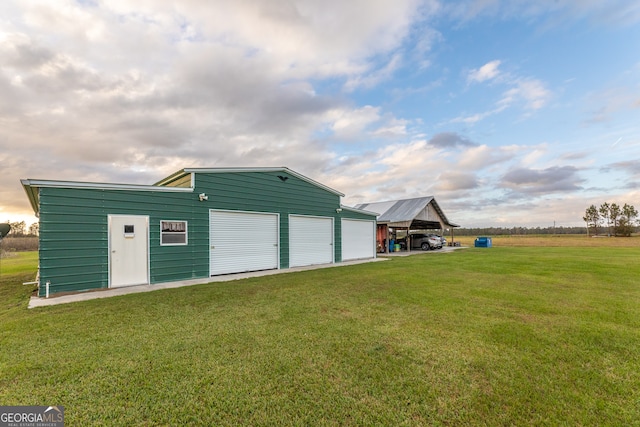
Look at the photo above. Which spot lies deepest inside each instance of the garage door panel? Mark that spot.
(358, 239)
(243, 241)
(310, 240)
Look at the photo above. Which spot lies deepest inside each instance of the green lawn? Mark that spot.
(500, 336)
(18, 262)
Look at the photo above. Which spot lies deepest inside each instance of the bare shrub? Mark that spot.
(19, 244)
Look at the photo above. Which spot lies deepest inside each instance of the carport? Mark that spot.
(401, 217)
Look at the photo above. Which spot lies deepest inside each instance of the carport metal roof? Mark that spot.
(418, 213)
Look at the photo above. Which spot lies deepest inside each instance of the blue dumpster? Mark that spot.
(483, 242)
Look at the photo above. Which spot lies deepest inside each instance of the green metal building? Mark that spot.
(195, 223)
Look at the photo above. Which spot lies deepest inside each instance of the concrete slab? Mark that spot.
(107, 293)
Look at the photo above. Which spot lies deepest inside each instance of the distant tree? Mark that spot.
(499, 231)
(627, 220)
(592, 218)
(18, 229)
(604, 212)
(34, 229)
(614, 216)
(630, 213)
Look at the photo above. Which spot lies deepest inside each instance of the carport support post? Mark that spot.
(387, 241)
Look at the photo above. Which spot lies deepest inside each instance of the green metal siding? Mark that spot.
(74, 236)
(265, 192)
(74, 229)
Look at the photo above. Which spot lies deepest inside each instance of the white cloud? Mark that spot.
(456, 181)
(532, 92)
(483, 156)
(307, 38)
(488, 71)
(550, 180)
(348, 124)
(523, 92)
(391, 129)
(605, 103)
(123, 91)
(376, 76)
(128, 92)
(475, 118)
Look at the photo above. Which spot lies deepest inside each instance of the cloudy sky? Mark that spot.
(509, 112)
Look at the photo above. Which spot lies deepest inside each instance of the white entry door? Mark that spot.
(310, 240)
(128, 250)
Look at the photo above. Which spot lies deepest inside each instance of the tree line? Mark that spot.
(616, 220)
(517, 231)
(19, 229)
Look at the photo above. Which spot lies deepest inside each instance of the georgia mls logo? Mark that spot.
(31, 416)
(54, 408)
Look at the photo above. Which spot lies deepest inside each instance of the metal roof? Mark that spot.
(362, 211)
(183, 172)
(404, 211)
(32, 186)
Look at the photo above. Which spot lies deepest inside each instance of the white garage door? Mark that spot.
(358, 239)
(310, 240)
(243, 241)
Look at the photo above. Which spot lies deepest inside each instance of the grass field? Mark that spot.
(19, 262)
(568, 241)
(500, 336)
